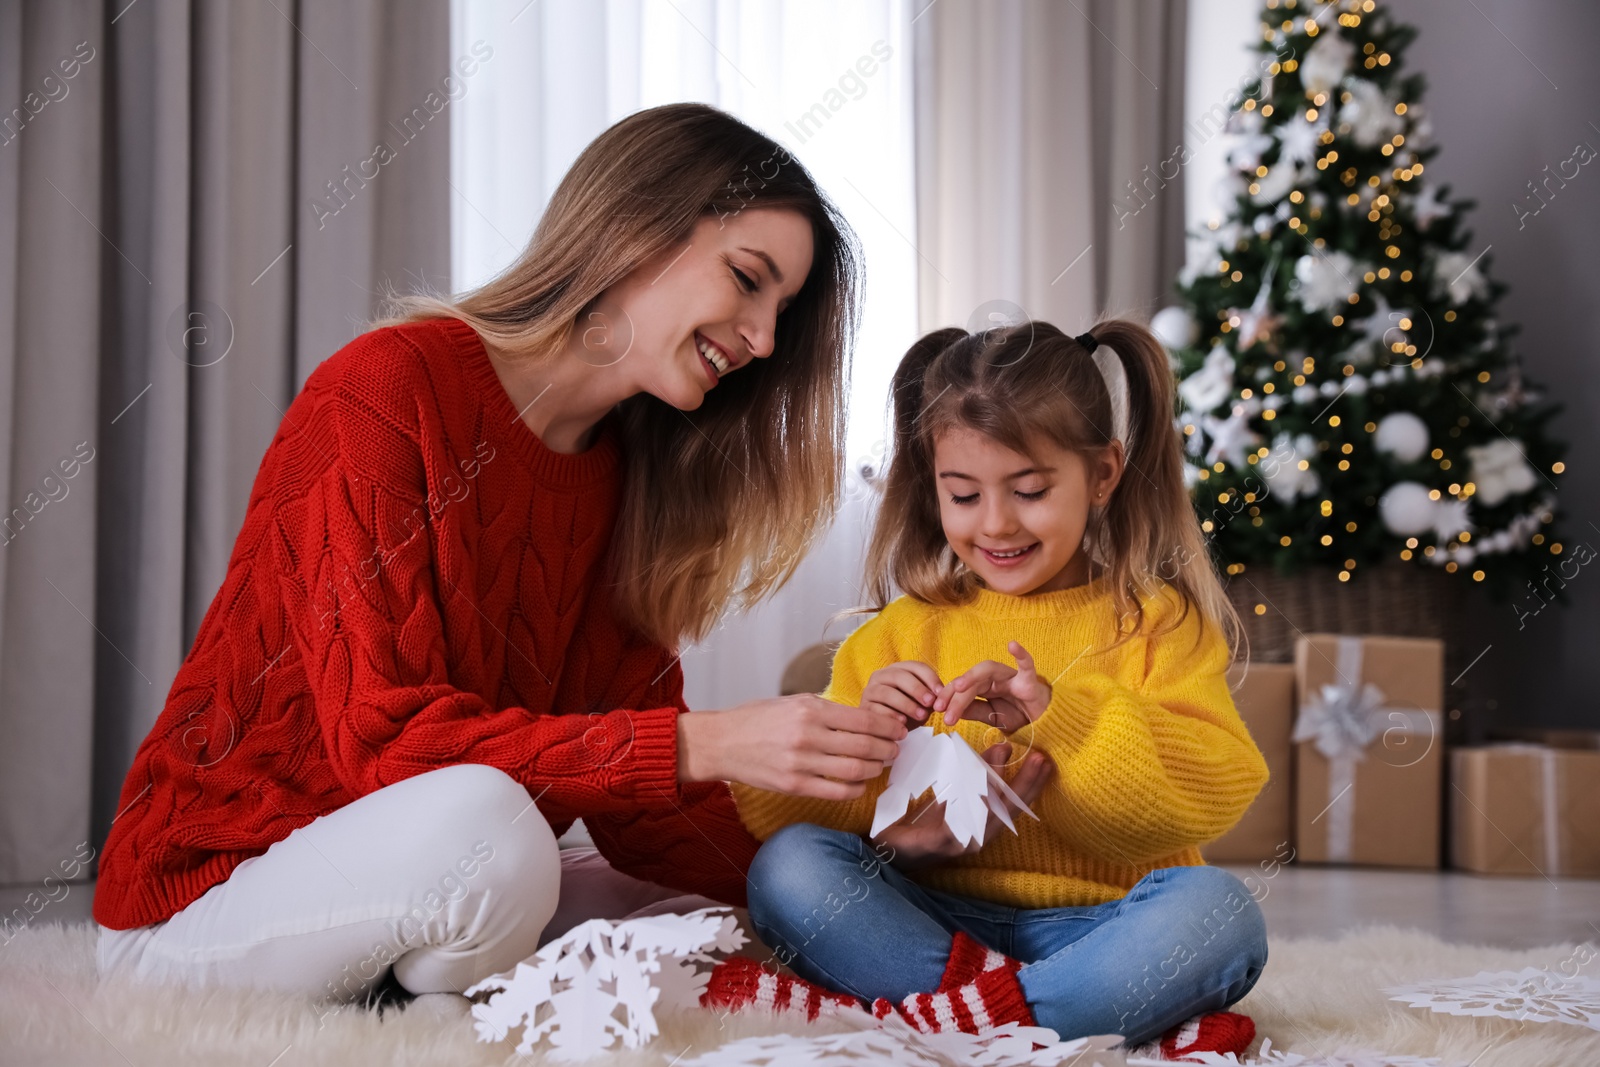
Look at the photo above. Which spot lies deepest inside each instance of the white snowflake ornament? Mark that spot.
(1268, 1056)
(1384, 325)
(1450, 517)
(1456, 274)
(598, 986)
(1325, 280)
(1244, 150)
(1288, 467)
(1325, 63)
(958, 776)
(1533, 994)
(1428, 207)
(1301, 139)
(1370, 113)
(1230, 438)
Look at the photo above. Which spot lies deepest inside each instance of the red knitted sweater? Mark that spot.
(418, 582)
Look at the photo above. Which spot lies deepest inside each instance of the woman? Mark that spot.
(448, 625)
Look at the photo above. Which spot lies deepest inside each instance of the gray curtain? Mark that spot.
(1047, 176)
(194, 212)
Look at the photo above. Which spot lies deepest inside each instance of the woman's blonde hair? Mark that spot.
(721, 502)
(1016, 385)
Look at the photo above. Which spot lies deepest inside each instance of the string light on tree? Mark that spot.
(1337, 337)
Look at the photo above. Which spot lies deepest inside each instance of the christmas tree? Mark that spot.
(1348, 396)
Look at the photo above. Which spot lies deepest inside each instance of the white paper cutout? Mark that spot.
(969, 787)
(1531, 993)
(892, 1040)
(1271, 1056)
(601, 983)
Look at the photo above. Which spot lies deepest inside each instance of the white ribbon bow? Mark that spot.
(1343, 719)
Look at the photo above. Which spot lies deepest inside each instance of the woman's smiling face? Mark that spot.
(1018, 521)
(704, 309)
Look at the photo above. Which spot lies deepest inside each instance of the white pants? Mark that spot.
(448, 876)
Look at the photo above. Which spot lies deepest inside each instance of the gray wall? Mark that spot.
(1512, 88)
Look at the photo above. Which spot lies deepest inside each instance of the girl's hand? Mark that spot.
(908, 688)
(1011, 697)
(921, 836)
(801, 745)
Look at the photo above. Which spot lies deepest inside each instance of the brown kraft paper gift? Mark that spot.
(1264, 695)
(1530, 809)
(1368, 749)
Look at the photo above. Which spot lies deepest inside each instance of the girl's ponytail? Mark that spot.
(908, 531)
(1148, 532)
(906, 386)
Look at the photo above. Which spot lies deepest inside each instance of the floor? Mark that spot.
(1509, 912)
(1299, 901)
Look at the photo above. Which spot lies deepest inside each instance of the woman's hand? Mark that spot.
(801, 745)
(907, 688)
(1011, 697)
(921, 837)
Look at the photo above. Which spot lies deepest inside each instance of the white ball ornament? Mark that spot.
(1402, 435)
(1406, 509)
(1174, 327)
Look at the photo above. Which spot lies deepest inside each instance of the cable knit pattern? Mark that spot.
(418, 582)
(1151, 756)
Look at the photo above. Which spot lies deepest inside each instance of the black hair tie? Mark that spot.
(1086, 339)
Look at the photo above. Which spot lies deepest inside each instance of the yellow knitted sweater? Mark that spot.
(1152, 759)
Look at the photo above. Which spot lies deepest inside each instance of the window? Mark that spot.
(830, 81)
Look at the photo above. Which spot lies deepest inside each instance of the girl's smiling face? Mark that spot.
(1017, 521)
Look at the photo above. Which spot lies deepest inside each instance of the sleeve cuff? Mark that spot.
(647, 766)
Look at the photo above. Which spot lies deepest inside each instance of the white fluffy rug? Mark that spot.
(1316, 998)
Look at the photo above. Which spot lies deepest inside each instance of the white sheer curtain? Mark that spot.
(562, 70)
(1042, 128)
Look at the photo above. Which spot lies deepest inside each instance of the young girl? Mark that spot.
(1061, 615)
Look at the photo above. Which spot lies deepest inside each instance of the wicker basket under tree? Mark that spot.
(1394, 599)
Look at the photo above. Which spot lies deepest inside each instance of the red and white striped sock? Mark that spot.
(968, 959)
(1214, 1031)
(979, 992)
(738, 983)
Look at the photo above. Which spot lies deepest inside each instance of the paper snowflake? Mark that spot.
(892, 1040)
(1531, 993)
(1271, 1057)
(600, 984)
(969, 787)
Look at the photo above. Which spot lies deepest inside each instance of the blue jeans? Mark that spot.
(1184, 940)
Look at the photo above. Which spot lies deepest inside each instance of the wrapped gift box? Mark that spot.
(1532, 809)
(1264, 695)
(1368, 749)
